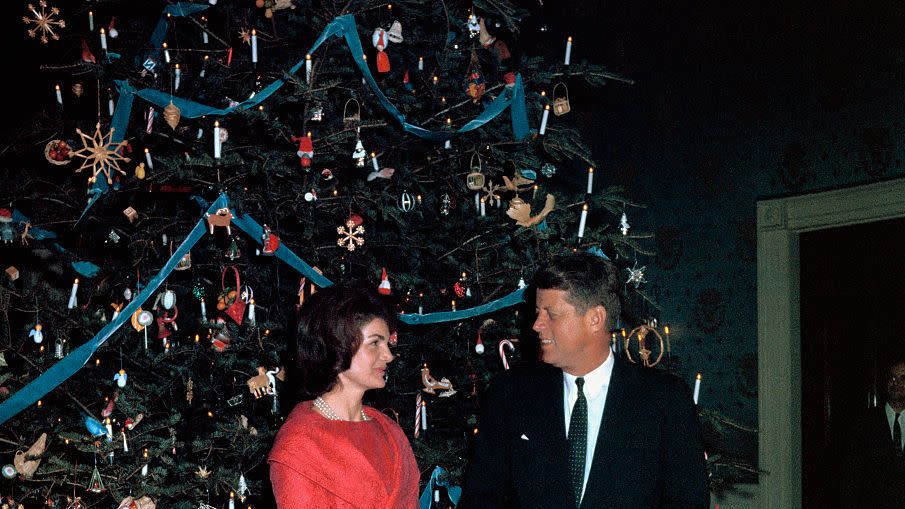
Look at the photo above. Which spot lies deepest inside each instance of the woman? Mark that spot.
(333, 452)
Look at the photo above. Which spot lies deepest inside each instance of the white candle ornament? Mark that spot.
(203, 311)
(584, 218)
(204, 38)
(477, 202)
(103, 39)
(543, 121)
(483, 209)
(148, 159)
(568, 49)
(420, 63)
(56, 89)
(374, 162)
(697, 387)
(232, 500)
(251, 312)
(204, 66)
(254, 46)
(166, 53)
(308, 68)
(177, 78)
(216, 140)
(110, 107)
(423, 415)
(91, 21)
(72, 298)
(590, 180)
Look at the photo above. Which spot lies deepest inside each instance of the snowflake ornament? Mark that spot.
(99, 154)
(548, 170)
(350, 237)
(636, 275)
(44, 22)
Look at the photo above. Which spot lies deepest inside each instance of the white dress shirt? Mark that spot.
(596, 384)
(890, 415)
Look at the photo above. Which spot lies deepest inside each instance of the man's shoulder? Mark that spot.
(648, 380)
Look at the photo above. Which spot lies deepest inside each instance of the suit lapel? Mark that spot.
(606, 452)
(548, 412)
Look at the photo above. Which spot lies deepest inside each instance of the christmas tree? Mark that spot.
(214, 164)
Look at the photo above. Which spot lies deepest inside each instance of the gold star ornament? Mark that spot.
(99, 154)
(44, 22)
(203, 472)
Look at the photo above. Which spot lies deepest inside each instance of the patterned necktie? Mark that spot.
(897, 435)
(578, 441)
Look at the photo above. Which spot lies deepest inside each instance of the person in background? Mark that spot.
(874, 472)
(332, 451)
(584, 429)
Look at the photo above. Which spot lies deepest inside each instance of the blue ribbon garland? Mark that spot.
(69, 365)
(72, 363)
(344, 26)
(454, 492)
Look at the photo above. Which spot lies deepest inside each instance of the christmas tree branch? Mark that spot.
(65, 391)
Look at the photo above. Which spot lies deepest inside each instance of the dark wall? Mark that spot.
(733, 103)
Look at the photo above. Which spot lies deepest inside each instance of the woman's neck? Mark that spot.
(345, 404)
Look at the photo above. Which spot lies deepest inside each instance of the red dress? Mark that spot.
(316, 462)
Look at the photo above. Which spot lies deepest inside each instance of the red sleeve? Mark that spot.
(410, 482)
(292, 490)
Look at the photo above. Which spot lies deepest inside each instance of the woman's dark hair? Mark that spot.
(326, 336)
(589, 279)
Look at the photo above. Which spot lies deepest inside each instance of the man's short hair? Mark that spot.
(589, 279)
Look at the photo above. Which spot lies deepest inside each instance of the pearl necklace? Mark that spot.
(328, 412)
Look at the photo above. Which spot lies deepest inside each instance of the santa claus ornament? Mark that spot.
(306, 150)
(379, 40)
(270, 241)
(384, 288)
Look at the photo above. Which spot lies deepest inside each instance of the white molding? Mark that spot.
(780, 221)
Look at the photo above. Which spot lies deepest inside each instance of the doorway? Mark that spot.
(852, 321)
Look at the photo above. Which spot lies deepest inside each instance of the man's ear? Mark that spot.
(597, 317)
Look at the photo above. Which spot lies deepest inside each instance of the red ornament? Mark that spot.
(384, 288)
(460, 289)
(87, 56)
(270, 241)
(306, 150)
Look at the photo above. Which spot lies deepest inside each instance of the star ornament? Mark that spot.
(245, 36)
(202, 472)
(636, 275)
(99, 154)
(44, 22)
(350, 236)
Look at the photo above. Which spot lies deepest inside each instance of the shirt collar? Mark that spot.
(594, 381)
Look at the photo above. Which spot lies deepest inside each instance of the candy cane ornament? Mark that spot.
(418, 410)
(503, 344)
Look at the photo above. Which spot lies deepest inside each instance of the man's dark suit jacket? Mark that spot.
(874, 475)
(648, 452)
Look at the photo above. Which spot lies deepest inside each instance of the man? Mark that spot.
(584, 429)
(875, 467)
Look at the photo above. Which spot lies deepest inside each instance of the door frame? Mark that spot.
(780, 221)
